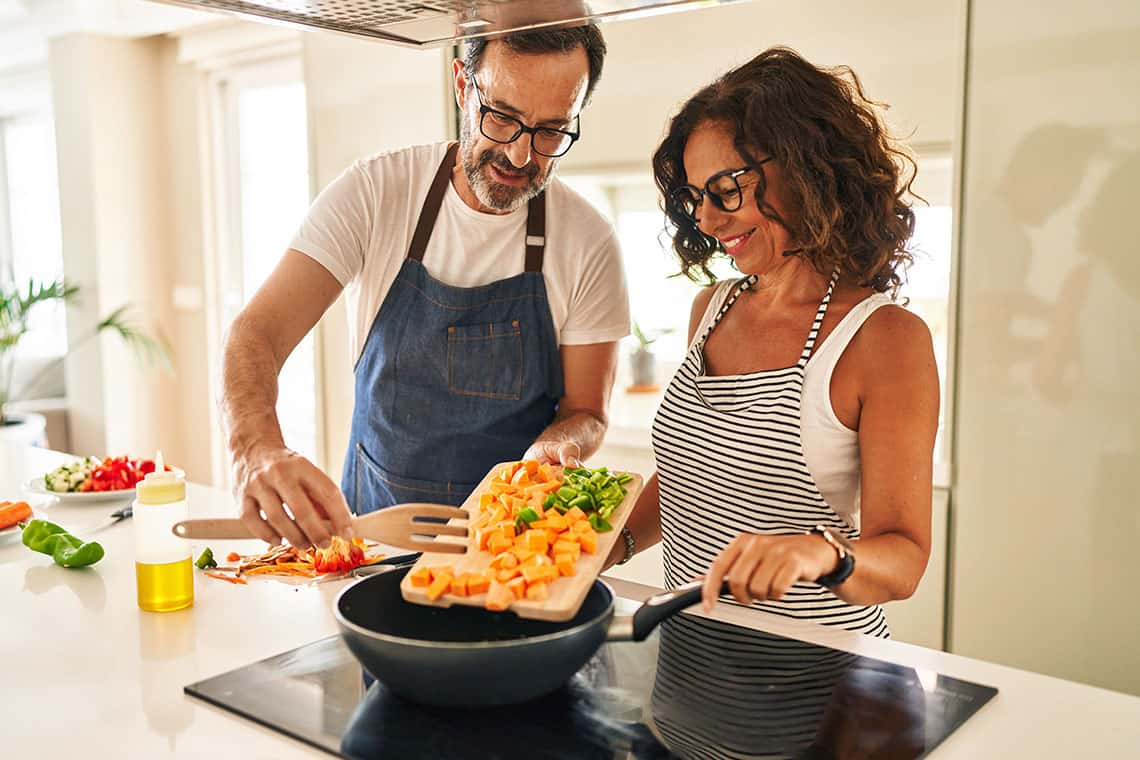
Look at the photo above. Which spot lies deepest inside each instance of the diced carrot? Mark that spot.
(420, 577)
(531, 466)
(459, 585)
(574, 514)
(499, 514)
(566, 546)
(486, 500)
(556, 522)
(477, 584)
(509, 471)
(522, 553)
(541, 489)
(442, 571)
(579, 527)
(499, 597)
(564, 563)
(538, 560)
(438, 587)
(504, 561)
(521, 477)
(533, 573)
(499, 543)
(517, 587)
(497, 488)
(536, 540)
(506, 574)
(536, 592)
(546, 471)
(508, 529)
(589, 541)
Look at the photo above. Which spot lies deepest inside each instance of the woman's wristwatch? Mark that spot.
(627, 536)
(846, 551)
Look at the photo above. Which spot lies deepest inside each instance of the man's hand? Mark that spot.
(270, 479)
(566, 453)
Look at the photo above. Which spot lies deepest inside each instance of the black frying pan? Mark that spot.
(465, 656)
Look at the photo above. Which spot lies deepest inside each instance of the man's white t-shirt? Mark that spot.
(361, 225)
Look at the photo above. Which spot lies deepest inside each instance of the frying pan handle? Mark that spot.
(656, 609)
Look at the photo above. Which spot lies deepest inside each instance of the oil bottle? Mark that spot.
(163, 568)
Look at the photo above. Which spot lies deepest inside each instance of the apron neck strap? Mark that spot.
(535, 220)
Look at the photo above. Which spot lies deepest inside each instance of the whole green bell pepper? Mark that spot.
(65, 549)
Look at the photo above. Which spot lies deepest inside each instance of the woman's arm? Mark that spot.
(898, 422)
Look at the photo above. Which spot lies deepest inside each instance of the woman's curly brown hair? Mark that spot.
(847, 178)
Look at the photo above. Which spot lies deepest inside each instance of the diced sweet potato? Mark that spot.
(506, 574)
(486, 500)
(442, 571)
(537, 592)
(579, 527)
(459, 586)
(499, 543)
(522, 553)
(536, 540)
(574, 514)
(589, 541)
(567, 546)
(504, 561)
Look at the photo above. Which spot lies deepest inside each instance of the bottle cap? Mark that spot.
(161, 486)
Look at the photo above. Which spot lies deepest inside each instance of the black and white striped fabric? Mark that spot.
(730, 461)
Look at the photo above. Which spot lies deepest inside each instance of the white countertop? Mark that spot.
(83, 667)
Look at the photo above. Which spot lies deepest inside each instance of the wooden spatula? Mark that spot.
(397, 525)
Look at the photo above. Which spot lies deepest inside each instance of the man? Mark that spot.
(485, 304)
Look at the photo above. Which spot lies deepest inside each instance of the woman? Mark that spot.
(799, 430)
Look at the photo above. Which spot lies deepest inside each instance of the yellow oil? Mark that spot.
(166, 587)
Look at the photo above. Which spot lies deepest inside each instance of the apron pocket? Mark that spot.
(376, 488)
(486, 360)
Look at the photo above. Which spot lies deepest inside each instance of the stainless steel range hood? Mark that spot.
(431, 23)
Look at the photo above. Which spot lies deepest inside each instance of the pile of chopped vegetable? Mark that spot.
(284, 560)
(535, 526)
(92, 474)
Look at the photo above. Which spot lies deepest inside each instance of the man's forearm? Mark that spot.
(249, 390)
(579, 426)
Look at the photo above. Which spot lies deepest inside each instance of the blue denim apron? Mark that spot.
(451, 380)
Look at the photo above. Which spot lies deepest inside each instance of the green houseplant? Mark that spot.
(642, 360)
(16, 305)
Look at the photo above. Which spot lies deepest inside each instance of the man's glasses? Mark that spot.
(503, 128)
(722, 188)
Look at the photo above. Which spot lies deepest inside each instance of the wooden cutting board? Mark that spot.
(566, 594)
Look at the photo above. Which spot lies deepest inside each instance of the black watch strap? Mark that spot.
(841, 573)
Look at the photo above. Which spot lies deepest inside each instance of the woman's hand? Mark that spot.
(759, 568)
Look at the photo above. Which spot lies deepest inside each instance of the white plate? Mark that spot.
(78, 498)
(11, 534)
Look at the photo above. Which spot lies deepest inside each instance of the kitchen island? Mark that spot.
(85, 669)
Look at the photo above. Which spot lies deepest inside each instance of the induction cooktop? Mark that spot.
(697, 688)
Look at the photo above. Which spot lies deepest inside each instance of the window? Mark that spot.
(30, 242)
(659, 301)
(265, 189)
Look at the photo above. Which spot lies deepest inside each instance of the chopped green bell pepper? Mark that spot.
(206, 559)
(65, 549)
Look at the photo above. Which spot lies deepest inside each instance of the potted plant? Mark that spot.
(643, 362)
(16, 305)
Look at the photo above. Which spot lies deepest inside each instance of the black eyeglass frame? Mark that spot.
(522, 128)
(714, 195)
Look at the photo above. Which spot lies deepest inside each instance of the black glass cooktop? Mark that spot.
(696, 689)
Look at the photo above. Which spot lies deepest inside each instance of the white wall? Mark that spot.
(1048, 406)
(905, 53)
(113, 186)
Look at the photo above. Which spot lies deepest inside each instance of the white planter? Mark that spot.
(26, 428)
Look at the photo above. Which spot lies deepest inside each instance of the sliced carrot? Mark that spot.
(13, 513)
(229, 578)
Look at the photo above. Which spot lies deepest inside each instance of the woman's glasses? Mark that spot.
(722, 188)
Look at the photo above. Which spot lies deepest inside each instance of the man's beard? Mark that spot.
(494, 194)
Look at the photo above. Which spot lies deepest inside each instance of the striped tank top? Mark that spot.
(730, 460)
